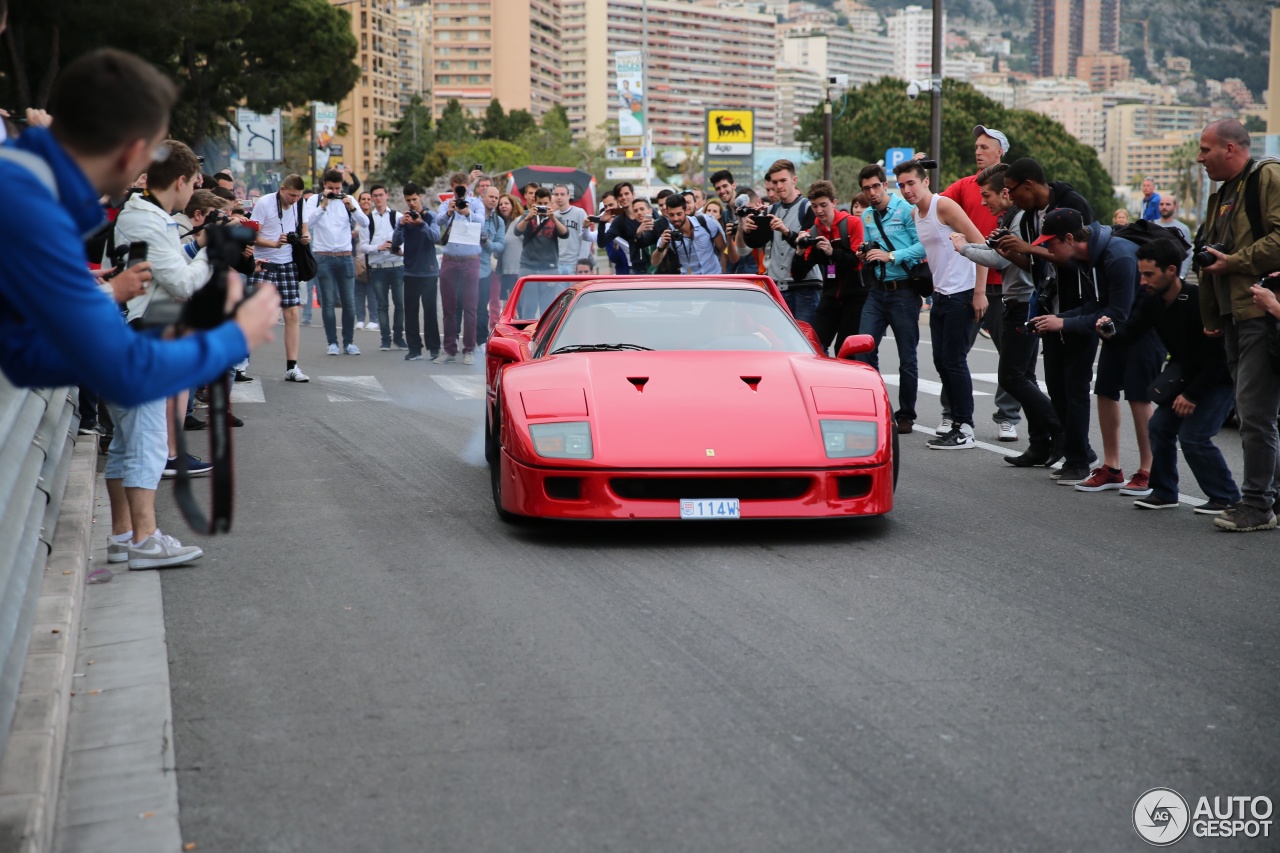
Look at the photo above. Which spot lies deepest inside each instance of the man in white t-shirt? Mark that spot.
(277, 217)
(959, 295)
(330, 215)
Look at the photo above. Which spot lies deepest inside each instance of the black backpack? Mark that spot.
(1145, 231)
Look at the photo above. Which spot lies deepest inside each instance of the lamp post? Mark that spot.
(935, 89)
(826, 134)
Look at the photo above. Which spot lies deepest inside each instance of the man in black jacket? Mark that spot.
(1206, 394)
(838, 236)
(1068, 358)
(624, 221)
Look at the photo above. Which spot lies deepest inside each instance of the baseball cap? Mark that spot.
(1059, 223)
(980, 130)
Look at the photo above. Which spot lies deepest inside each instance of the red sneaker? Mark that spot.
(1102, 479)
(1139, 485)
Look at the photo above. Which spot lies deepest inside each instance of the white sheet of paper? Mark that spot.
(465, 232)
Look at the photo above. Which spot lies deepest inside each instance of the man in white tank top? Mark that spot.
(959, 296)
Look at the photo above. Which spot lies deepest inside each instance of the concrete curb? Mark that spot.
(30, 773)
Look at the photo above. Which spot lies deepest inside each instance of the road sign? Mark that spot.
(894, 156)
(729, 142)
(628, 173)
(260, 138)
(624, 153)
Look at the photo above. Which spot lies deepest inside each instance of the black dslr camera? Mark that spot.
(804, 241)
(997, 235)
(929, 163)
(1202, 257)
(867, 247)
(460, 197)
(414, 215)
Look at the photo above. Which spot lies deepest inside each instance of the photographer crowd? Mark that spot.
(1005, 249)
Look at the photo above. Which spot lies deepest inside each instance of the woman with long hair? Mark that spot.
(510, 208)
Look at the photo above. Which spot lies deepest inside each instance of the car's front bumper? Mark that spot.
(576, 493)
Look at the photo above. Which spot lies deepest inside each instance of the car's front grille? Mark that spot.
(744, 488)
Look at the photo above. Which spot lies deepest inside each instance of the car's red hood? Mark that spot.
(693, 405)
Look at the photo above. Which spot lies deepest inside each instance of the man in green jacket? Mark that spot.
(1251, 249)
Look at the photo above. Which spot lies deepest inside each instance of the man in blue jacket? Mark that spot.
(110, 113)
(415, 237)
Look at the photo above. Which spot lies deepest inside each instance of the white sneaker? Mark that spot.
(359, 324)
(944, 427)
(293, 374)
(371, 326)
(118, 552)
(159, 550)
(333, 350)
(444, 358)
(352, 349)
(1008, 431)
(468, 358)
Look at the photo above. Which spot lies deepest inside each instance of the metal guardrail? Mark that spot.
(36, 438)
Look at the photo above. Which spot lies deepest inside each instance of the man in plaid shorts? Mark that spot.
(277, 216)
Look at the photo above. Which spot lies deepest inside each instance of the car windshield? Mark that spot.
(715, 319)
(536, 297)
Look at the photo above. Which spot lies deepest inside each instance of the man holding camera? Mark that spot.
(279, 217)
(1243, 246)
(329, 217)
(1201, 396)
(788, 217)
(493, 239)
(697, 240)
(832, 247)
(416, 236)
(575, 246)
(624, 222)
(891, 247)
(541, 233)
(386, 268)
(463, 220)
(727, 191)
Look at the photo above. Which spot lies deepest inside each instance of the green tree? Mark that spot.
(518, 123)
(411, 138)
(551, 143)
(455, 125)
(494, 155)
(878, 116)
(224, 53)
(1186, 186)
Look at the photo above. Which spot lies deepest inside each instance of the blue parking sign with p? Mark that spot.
(894, 156)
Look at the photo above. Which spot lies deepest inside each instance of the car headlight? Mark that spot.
(850, 439)
(565, 440)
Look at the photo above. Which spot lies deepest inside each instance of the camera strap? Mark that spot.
(221, 477)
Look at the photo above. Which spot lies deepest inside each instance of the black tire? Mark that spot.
(495, 481)
(490, 441)
(895, 457)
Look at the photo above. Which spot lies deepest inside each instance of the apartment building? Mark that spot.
(826, 51)
(1069, 32)
(374, 103)
(1138, 134)
(414, 41)
(799, 91)
(911, 33)
(700, 57)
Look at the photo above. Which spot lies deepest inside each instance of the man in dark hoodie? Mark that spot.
(1111, 263)
(1068, 359)
(1194, 416)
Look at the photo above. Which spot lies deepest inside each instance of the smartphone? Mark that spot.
(137, 253)
(477, 168)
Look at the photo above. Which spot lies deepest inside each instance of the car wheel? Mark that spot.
(895, 459)
(495, 483)
(490, 441)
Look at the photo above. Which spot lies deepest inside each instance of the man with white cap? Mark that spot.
(990, 146)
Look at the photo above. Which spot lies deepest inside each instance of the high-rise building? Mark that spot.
(700, 57)
(911, 33)
(1137, 133)
(1066, 30)
(864, 57)
(414, 46)
(799, 91)
(374, 103)
(504, 49)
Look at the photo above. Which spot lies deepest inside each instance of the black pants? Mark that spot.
(420, 291)
(1017, 375)
(1068, 370)
(838, 317)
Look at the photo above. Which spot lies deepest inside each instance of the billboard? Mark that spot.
(629, 71)
(324, 126)
(729, 142)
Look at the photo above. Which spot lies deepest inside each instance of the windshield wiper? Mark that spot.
(601, 348)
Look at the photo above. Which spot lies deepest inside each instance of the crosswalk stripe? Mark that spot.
(994, 379)
(247, 392)
(926, 386)
(461, 387)
(353, 389)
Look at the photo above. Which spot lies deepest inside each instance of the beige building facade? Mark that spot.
(374, 104)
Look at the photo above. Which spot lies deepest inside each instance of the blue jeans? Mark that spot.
(384, 279)
(803, 302)
(139, 445)
(951, 323)
(898, 310)
(366, 300)
(309, 289)
(1195, 433)
(337, 277)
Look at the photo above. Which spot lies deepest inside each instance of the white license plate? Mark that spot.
(722, 508)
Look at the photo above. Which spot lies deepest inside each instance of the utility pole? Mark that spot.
(646, 135)
(935, 90)
(826, 134)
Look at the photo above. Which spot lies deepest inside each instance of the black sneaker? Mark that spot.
(193, 423)
(234, 421)
(956, 439)
(1243, 518)
(241, 376)
(1212, 508)
(402, 345)
(196, 467)
(413, 356)
(1069, 475)
(1153, 502)
(1033, 457)
(1088, 466)
(385, 346)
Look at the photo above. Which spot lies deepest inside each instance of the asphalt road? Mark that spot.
(374, 662)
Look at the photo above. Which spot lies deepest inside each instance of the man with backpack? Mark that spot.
(789, 216)
(386, 268)
(1242, 216)
(838, 236)
(695, 243)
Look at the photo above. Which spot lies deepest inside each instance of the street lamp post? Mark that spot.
(935, 89)
(826, 135)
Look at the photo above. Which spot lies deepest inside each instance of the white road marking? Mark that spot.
(247, 392)
(353, 389)
(926, 386)
(461, 387)
(993, 378)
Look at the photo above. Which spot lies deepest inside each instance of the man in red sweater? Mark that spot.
(990, 146)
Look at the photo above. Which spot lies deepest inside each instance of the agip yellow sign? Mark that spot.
(729, 126)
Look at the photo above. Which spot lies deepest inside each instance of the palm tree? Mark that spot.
(1182, 160)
